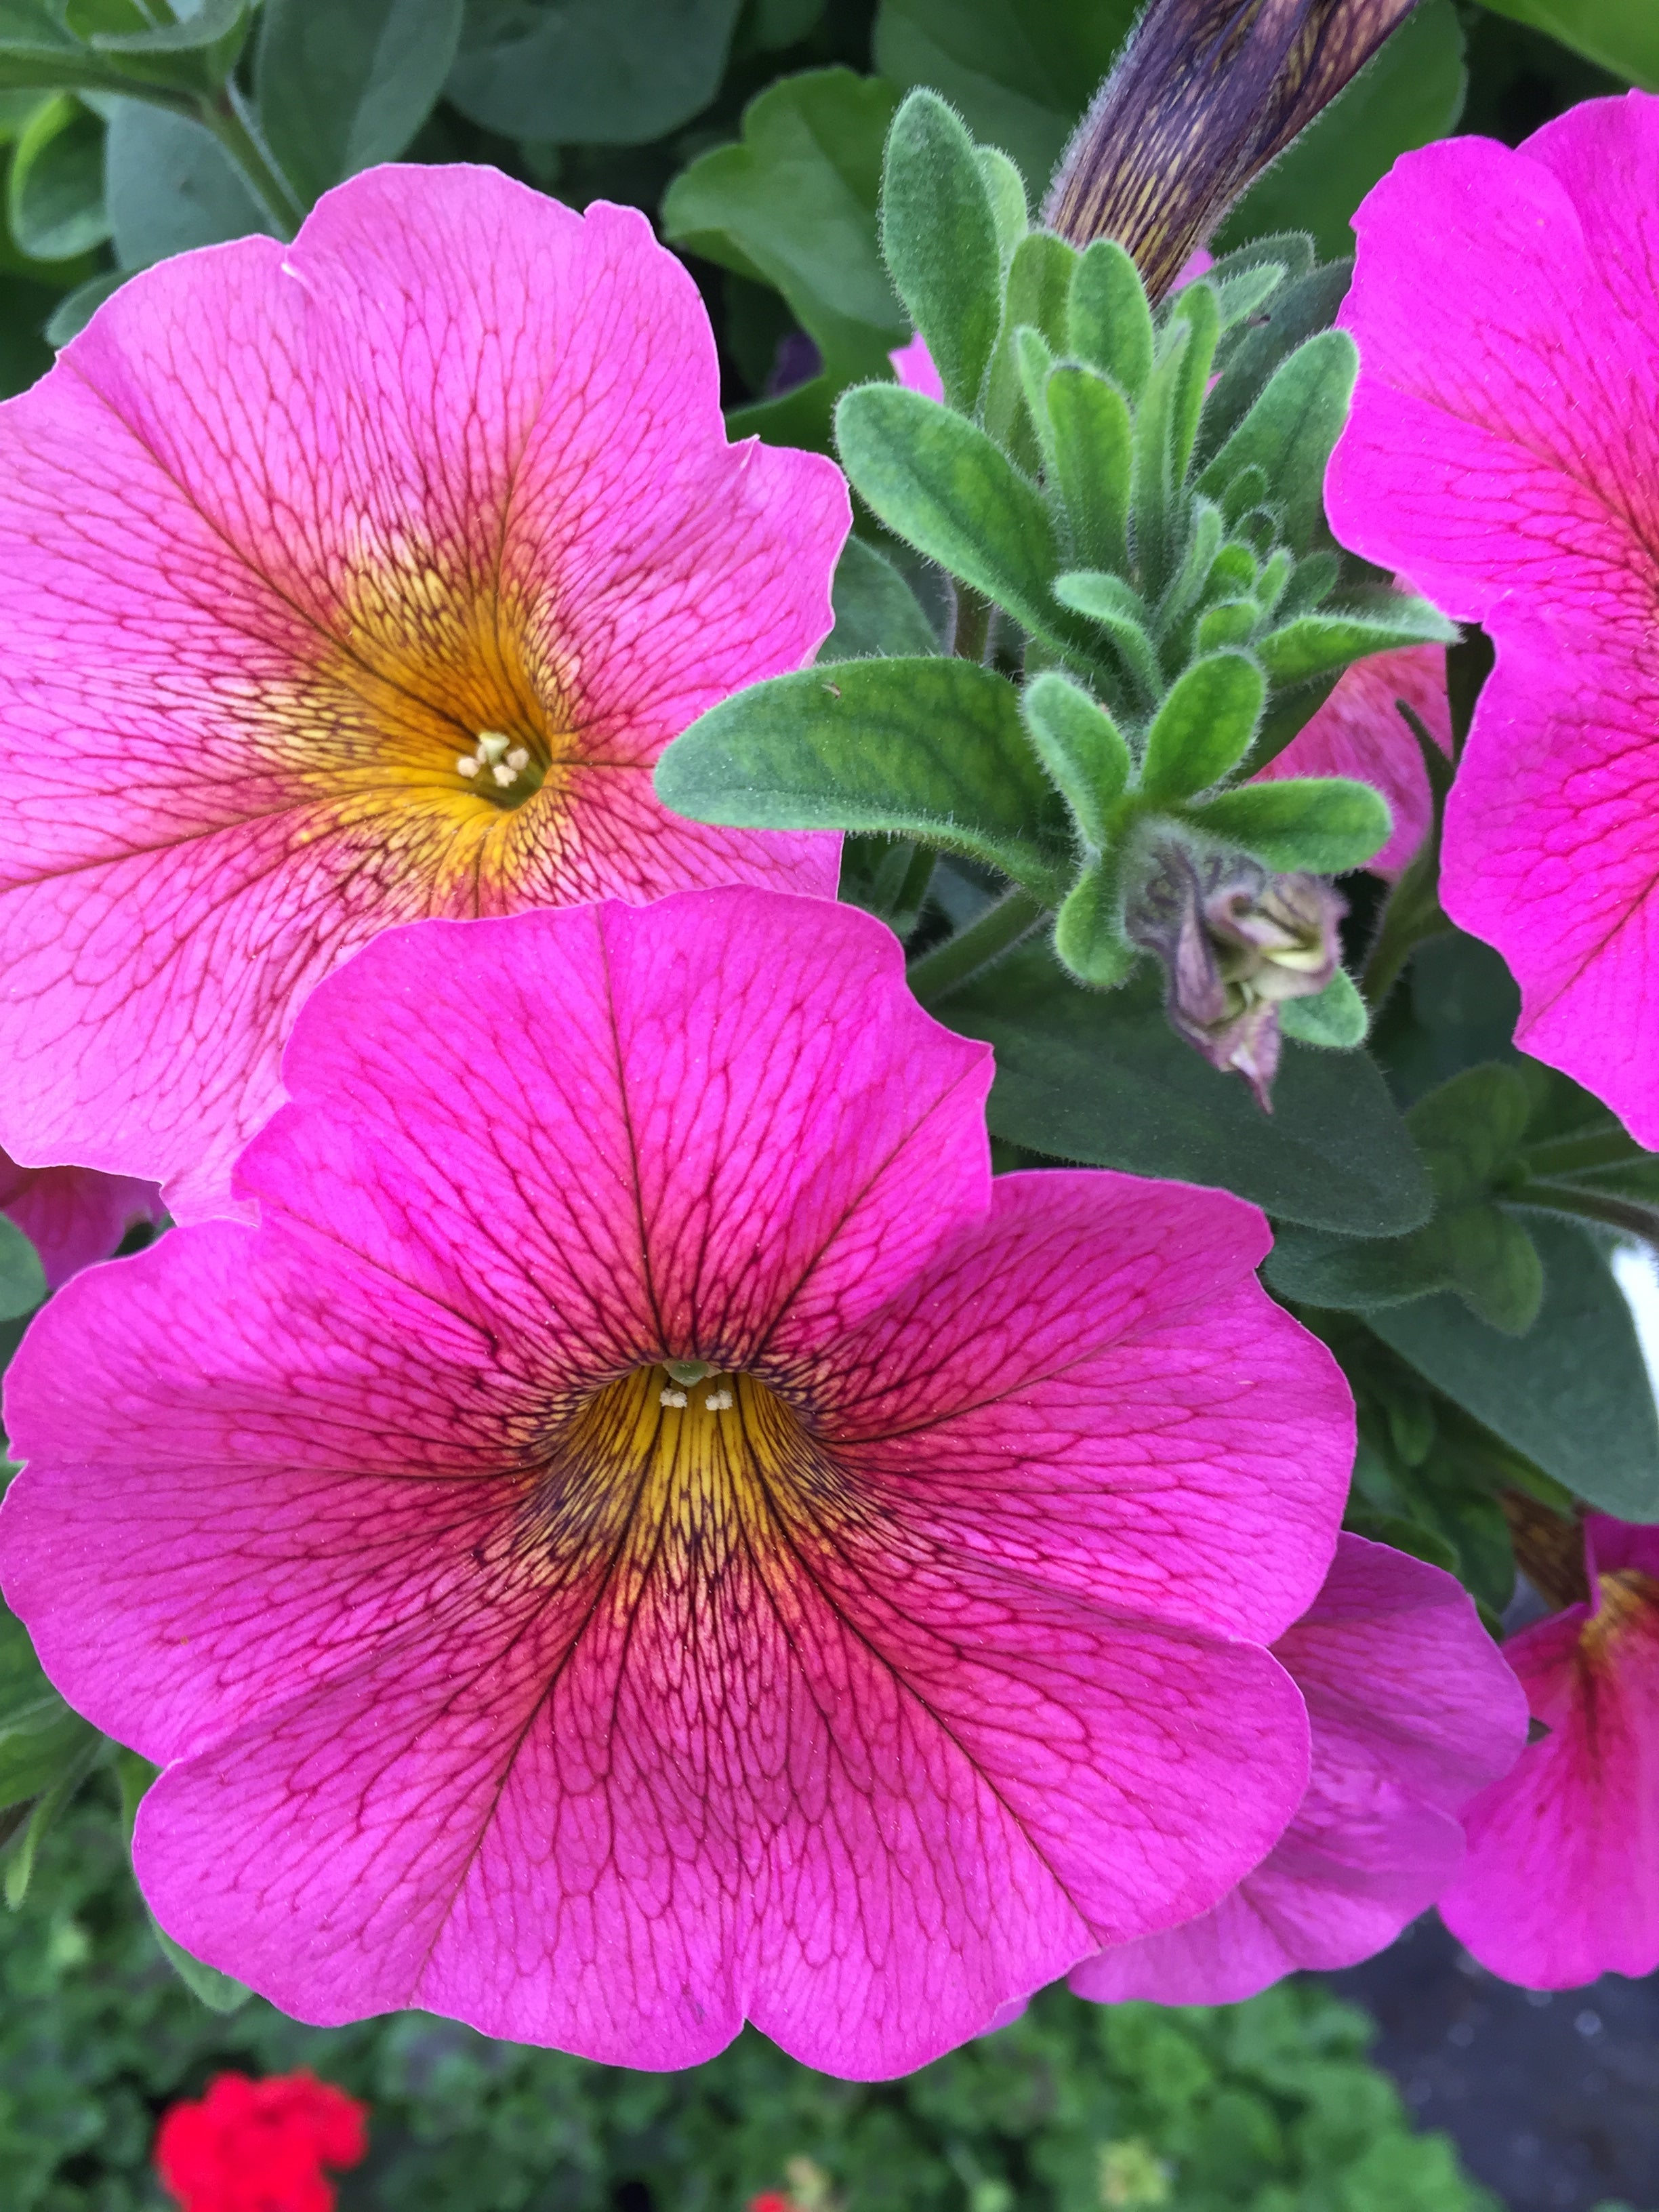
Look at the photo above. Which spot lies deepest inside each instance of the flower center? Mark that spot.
(502, 768)
(1624, 1597)
(681, 1461)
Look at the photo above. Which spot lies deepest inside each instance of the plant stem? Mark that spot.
(972, 629)
(222, 116)
(1580, 1155)
(939, 972)
(1414, 913)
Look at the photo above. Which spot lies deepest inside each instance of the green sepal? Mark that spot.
(1289, 433)
(1229, 621)
(1081, 749)
(932, 750)
(1326, 824)
(1204, 727)
(1336, 1019)
(939, 237)
(1109, 322)
(876, 613)
(1314, 644)
(1039, 285)
(937, 481)
(1238, 297)
(1090, 445)
(1089, 939)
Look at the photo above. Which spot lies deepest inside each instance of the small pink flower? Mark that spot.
(348, 582)
(1561, 1883)
(1504, 452)
(1413, 1710)
(1360, 732)
(75, 1217)
(646, 1533)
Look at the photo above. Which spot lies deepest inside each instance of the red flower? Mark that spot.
(259, 2146)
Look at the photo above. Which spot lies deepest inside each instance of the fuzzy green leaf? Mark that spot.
(1090, 444)
(1039, 282)
(1089, 938)
(876, 613)
(1290, 431)
(933, 750)
(1081, 749)
(1335, 1019)
(1323, 823)
(938, 481)
(1204, 727)
(1110, 323)
(939, 240)
(1314, 644)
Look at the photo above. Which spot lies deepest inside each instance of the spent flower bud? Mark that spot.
(1235, 942)
(1205, 95)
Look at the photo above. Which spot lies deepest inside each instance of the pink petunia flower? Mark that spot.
(348, 582)
(1561, 1883)
(1413, 1710)
(913, 365)
(646, 1533)
(1360, 732)
(1503, 451)
(75, 1217)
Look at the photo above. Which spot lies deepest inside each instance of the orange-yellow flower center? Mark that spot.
(656, 1473)
(1626, 1600)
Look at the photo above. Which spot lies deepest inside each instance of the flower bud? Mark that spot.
(1235, 942)
(1205, 95)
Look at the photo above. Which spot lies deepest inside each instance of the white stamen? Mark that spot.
(466, 765)
(671, 1397)
(518, 759)
(492, 744)
(719, 1400)
(503, 775)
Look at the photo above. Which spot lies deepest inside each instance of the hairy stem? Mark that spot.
(1000, 926)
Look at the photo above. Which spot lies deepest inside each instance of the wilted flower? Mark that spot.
(75, 1217)
(1413, 1710)
(1502, 452)
(645, 1532)
(259, 2146)
(348, 582)
(1561, 1883)
(1206, 93)
(1236, 943)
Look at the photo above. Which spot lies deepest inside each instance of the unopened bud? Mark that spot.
(1205, 95)
(1236, 943)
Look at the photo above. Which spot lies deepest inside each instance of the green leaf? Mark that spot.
(170, 186)
(1110, 322)
(22, 1285)
(938, 481)
(218, 1992)
(590, 72)
(1102, 1078)
(40, 1735)
(77, 308)
(1121, 613)
(1021, 72)
(55, 189)
(1410, 92)
(939, 240)
(1089, 442)
(1620, 35)
(930, 749)
(1335, 1019)
(1289, 433)
(1323, 823)
(193, 55)
(1089, 938)
(793, 205)
(1081, 749)
(1403, 1535)
(1007, 188)
(878, 615)
(1204, 727)
(1247, 358)
(1313, 645)
(1471, 1128)
(340, 89)
(1039, 282)
(1572, 1394)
